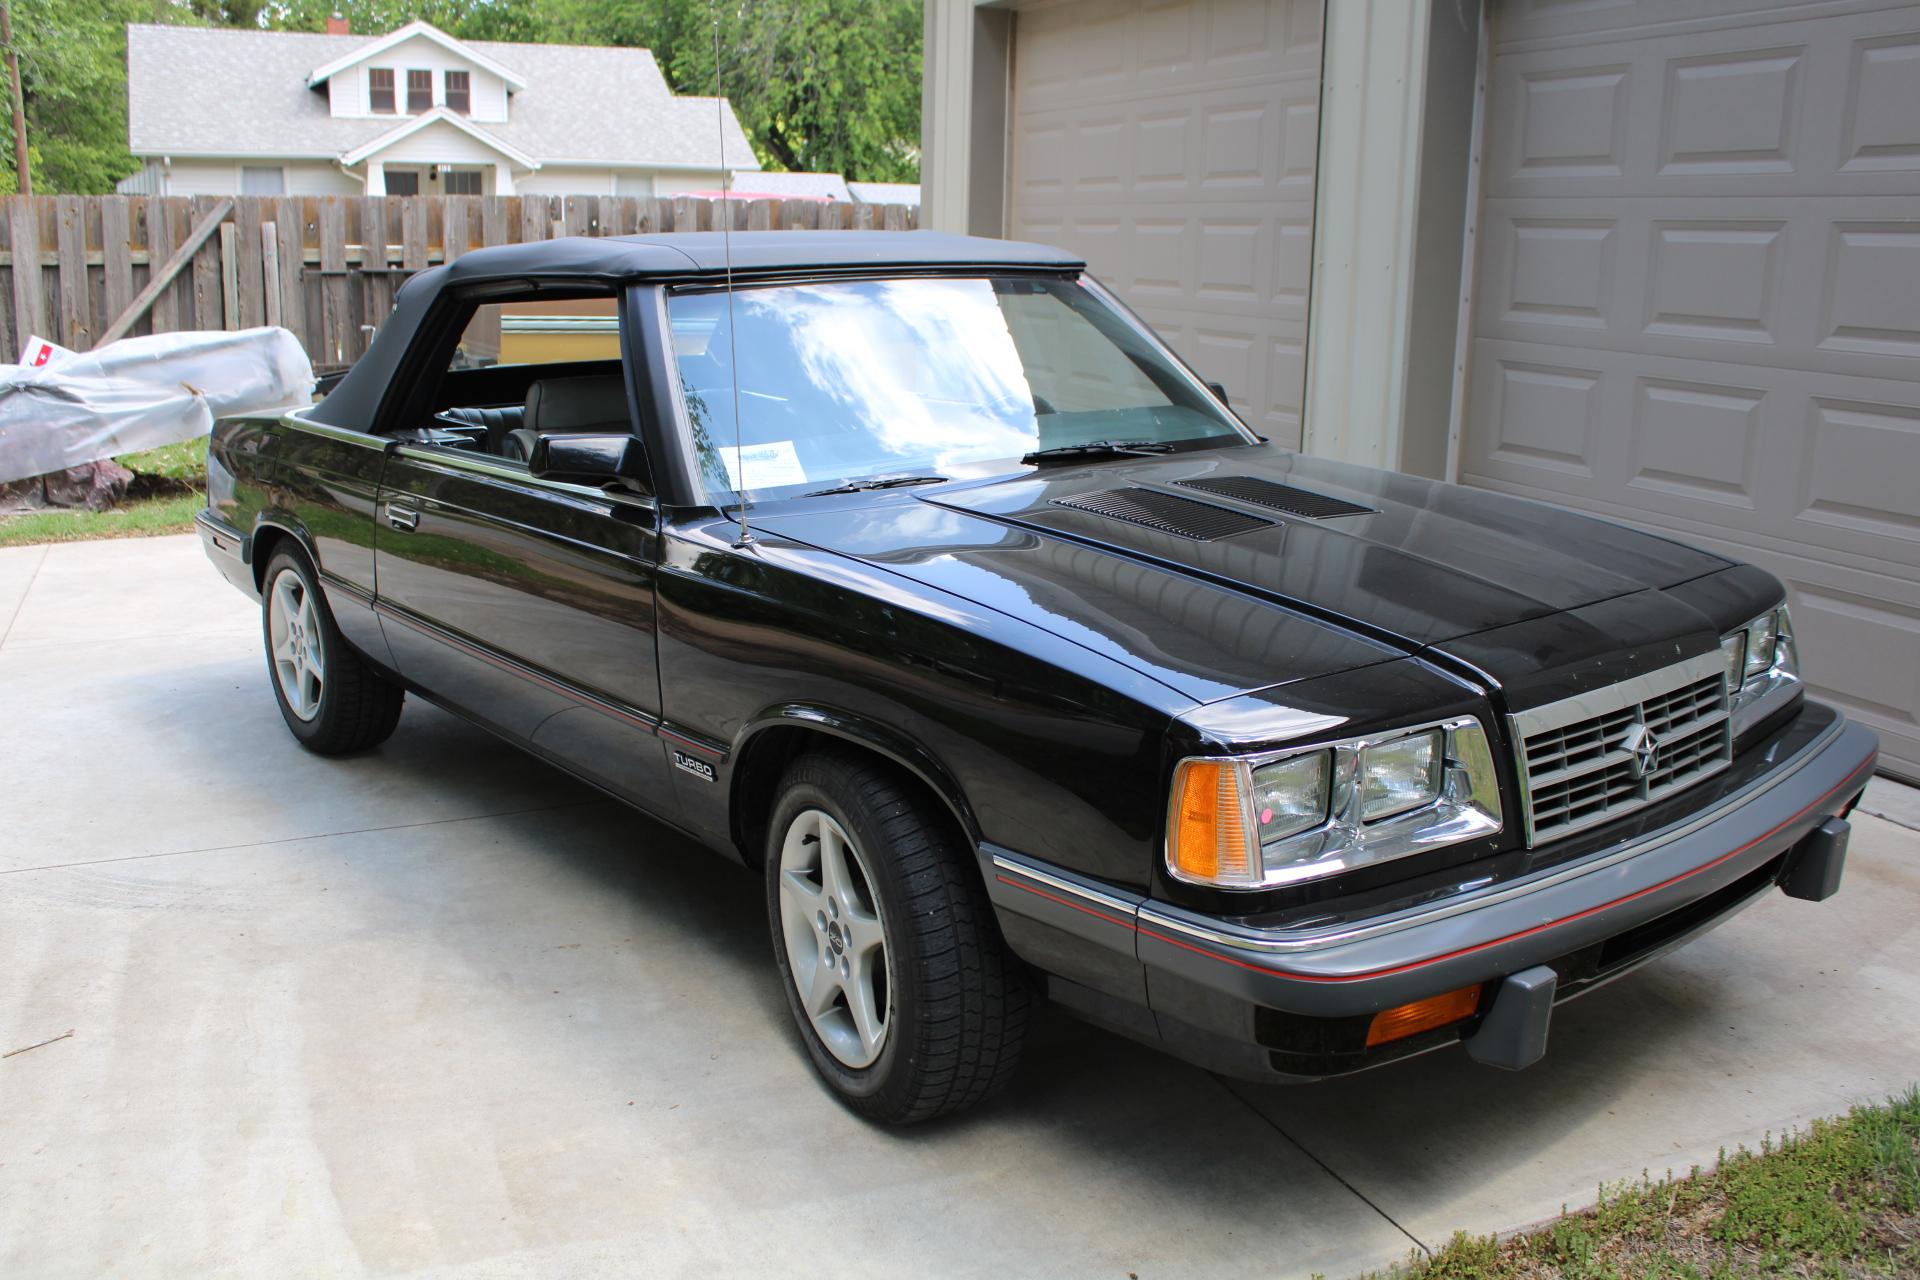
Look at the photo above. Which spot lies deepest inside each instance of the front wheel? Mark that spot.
(330, 698)
(904, 995)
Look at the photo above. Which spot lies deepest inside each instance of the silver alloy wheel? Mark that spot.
(293, 632)
(836, 942)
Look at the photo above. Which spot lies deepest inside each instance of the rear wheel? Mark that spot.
(330, 698)
(903, 992)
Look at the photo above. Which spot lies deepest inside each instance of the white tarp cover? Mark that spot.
(61, 408)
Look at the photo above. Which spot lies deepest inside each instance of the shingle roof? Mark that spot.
(790, 185)
(207, 91)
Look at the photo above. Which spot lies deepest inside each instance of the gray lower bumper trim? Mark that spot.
(1480, 937)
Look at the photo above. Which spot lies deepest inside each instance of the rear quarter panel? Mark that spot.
(318, 485)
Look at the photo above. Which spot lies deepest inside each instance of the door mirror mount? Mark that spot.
(604, 461)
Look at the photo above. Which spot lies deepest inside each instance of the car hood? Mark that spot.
(1425, 563)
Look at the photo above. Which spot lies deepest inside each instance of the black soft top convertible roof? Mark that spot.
(681, 256)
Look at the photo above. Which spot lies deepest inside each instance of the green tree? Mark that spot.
(467, 19)
(828, 85)
(817, 84)
(73, 73)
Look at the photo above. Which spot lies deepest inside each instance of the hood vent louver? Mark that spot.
(1167, 512)
(1280, 497)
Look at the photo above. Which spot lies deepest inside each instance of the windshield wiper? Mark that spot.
(1099, 449)
(885, 482)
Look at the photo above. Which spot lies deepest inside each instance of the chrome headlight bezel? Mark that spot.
(1465, 806)
(1764, 682)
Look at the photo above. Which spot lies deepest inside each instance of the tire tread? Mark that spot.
(975, 1004)
(360, 707)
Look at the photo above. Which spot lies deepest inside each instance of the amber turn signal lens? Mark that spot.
(1207, 839)
(1423, 1015)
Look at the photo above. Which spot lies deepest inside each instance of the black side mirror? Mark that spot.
(1219, 389)
(603, 461)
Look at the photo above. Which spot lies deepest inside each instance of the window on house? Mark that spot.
(380, 91)
(260, 180)
(462, 182)
(419, 92)
(400, 182)
(460, 92)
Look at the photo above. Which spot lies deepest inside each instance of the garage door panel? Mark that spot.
(1831, 284)
(1080, 51)
(1863, 648)
(1527, 21)
(1775, 107)
(1178, 157)
(1883, 102)
(1253, 142)
(1809, 459)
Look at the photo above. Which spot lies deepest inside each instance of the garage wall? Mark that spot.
(1173, 145)
(1697, 302)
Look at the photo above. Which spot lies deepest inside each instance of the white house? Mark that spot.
(1653, 259)
(225, 112)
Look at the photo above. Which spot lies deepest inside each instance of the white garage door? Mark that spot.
(1698, 302)
(1173, 146)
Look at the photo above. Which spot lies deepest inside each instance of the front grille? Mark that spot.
(1595, 756)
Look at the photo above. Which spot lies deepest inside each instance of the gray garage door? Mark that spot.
(1698, 302)
(1173, 146)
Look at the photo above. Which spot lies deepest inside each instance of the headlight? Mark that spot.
(1763, 668)
(1310, 812)
(1291, 796)
(1760, 635)
(1399, 775)
(1733, 651)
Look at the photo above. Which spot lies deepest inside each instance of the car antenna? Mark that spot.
(725, 213)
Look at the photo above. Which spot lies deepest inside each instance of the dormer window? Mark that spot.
(459, 93)
(419, 92)
(380, 91)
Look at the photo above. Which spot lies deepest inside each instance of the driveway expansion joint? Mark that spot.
(1325, 1168)
(25, 591)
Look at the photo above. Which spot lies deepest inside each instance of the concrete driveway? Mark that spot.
(440, 1010)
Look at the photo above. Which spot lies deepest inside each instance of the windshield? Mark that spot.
(874, 378)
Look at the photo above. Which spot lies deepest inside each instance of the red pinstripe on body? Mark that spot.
(1391, 970)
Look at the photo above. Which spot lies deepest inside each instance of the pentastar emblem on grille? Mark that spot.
(1639, 742)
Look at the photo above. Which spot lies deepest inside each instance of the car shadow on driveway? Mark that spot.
(1421, 1129)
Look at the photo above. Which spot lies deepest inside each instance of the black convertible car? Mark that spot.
(917, 573)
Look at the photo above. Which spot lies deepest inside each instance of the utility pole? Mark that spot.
(23, 170)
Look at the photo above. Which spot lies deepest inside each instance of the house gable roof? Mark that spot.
(243, 94)
(439, 115)
(400, 35)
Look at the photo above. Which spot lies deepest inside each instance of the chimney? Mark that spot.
(337, 25)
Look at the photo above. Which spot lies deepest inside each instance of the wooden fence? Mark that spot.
(83, 269)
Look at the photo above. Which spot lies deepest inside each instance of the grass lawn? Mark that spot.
(1841, 1199)
(169, 486)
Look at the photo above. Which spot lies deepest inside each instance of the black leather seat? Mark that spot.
(498, 421)
(574, 406)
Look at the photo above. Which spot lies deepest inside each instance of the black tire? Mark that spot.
(357, 706)
(958, 1006)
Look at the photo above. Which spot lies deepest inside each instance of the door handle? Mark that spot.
(405, 519)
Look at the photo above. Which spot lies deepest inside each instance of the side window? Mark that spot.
(525, 366)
